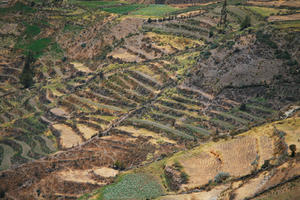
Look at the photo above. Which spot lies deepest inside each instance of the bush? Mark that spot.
(184, 177)
(222, 176)
(119, 165)
(205, 54)
(293, 148)
(246, 22)
(265, 38)
(292, 62)
(211, 34)
(282, 55)
(243, 107)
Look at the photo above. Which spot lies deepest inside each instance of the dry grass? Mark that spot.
(68, 138)
(284, 17)
(88, 132)
(155, 137)
(81, 67)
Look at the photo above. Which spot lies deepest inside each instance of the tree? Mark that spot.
(293, 148)
(223, 20)
(26, 77)
(243, 107)
(246, 22)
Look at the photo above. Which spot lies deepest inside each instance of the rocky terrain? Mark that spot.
(149, 99)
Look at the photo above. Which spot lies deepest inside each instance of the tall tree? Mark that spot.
(223, 20)
(26, 77)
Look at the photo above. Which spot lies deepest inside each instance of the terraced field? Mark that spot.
(125, 85)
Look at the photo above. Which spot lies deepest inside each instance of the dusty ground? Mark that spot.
(284, 18)
(291, 3)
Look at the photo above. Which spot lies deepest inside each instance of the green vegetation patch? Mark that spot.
(155, 10)
(38, 46)
(132, 186)
(292, 25)
(18, 7)
(32, 30)
(72, 28)
(94, 4)
(125, 9)
(265, 12)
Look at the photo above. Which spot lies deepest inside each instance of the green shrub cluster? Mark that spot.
(282, 54)
(221, 177)
(265, 38)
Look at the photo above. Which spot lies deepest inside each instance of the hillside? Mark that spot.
(149, 99)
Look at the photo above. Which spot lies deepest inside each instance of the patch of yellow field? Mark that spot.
(169, 41)
(123, 54)
(146, 70)
(235, 156)
(88, 132)
(79, 176)
(81, 67)
(292, 130)
(68, 138)
(106, 172)
(156, 138)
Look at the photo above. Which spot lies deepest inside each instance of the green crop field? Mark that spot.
(132, 186)
(125, 9)
(94, 4)
(155, 10)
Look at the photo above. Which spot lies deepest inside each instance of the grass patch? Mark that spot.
(293, 25)
(132, 186)
(72, 28)
(155, 10)
(95, 4)
(264, 11)
(18, 7)
(32, 30)
(122, 10)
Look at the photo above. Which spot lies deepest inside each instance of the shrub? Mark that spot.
(26, 77)
(293, 148)
(282, 54)
(177, 165)
(184, 177)
(119, 165)
(243, 107)
(206, 54)
(292, 62)
(222, 176)
(265, 38)
(211, 34)
(246, 22)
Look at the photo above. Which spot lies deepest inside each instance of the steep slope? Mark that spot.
(119, 86)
